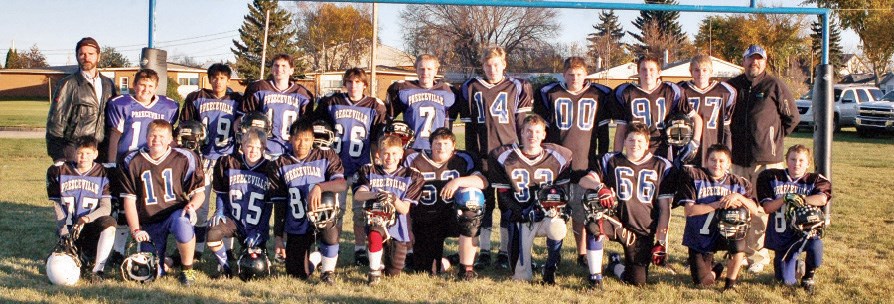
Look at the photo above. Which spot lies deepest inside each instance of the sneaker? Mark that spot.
(374, 278)
(328, 277)
(96, 277)
(730, 284)
(614, 259)
(503, 260)
(582, 260)
(549, 276)
(756, 268)
(361, 258)
(809, 285)
(187, 277)
(115, 259)
(717, 270)
(453, 259)
(483, 260)
(595, 281)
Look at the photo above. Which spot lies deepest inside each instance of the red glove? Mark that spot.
(606, 197)
(659, 255)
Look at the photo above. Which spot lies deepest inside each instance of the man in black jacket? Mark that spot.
(764, 114)
(78, 105)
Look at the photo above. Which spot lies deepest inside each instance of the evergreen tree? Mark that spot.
(111, 58)
(667, 23)
(280, 40)
(835, 52)
(605, 42)
(33, 59)
(12, 59)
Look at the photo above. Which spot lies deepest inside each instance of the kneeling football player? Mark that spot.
(162, 189)
(388, 190)
(795, 199)
(297, 183)
(243, 210)
(80, 191)
(445, 171)
(644, 196)
(718, 207)
(522, 170)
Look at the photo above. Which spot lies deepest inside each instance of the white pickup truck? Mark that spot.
(876, 117)
(847, 100)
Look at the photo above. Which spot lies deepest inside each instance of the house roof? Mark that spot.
(624, 71)
(379, 69)
(722, 68)
(858, 78)
(71, 69)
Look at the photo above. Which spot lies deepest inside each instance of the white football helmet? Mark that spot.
(63, 264)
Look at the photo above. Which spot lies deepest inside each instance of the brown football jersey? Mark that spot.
(493, 112)
(525, 175)
(634, 104)
(715, 106)
(639, 185)
(436, 176)
(160, 186)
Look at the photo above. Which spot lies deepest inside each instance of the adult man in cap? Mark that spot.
(78, 105)
(764, 114)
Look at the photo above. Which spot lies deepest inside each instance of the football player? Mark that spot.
(705, 192)
(434, 219)
(644, 196)
(713, 101)
(297, 183)
(80, 192)
(426, 104)
(522, 170)
(491, 107)
(357, 118)
(243, 207)
(650, 102)
(392, 188)
(161, 188)
(127, 119)
(578, 120)
(781, 193)
(218, 109)
(284, 102)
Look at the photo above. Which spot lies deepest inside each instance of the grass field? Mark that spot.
(858, 260)
(24, 113)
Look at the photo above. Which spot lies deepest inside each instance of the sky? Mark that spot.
(204, 29)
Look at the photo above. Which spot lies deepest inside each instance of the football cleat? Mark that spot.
(328, 277)
(717, 270)
(503, 261)
(190, 135)
(483, 261)
(467, 275)
(730, 284)
(809, 285)
(115, 259)
(549, 276)
(224, 272)
(374, 278)
(595, 281)
(96, 277)
(187, 277)
(361, 258)
(582, 260)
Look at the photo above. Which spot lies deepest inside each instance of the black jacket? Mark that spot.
(75, 112)
(764, 114)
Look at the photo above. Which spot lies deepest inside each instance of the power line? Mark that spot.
(139, 46)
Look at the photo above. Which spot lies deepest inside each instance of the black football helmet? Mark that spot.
(254, 119)
(678, 127)
(327, 213)
(143, 267)
(553, 200)
(191, 135)
(590, 202)
(807, 220)
(253, 263)
(324, 135)
(402, 130)
(733, 223)
(63, 265)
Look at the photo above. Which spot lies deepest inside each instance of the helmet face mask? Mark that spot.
(327, 213)
(733, 223)
(191, 135)
(590, 202)
(141, 267)
(402, 130)
(324, 135)
(807, 220)
(553, 200)
(380, 214)
(253, 264)
(254, 120)
(678, 128)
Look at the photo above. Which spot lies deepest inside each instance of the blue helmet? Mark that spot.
(469, 199)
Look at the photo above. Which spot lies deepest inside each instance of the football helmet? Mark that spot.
(402, 130)
(324, 135)
(593, 207)
(808, 220)
(553, 200)
(253, 263)
(327, 213)
(63, 264)
(191, 135)
(469, 204)
(679, 131)
(733, 223)
(143, 267)
(254, 119)
(380, 212)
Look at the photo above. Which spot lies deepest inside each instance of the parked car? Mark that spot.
(876, 117)
(847, 99)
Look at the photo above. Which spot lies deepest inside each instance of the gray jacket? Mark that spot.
(75, 112)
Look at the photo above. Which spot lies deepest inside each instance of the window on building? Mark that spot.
(123, 85)
(188, 81)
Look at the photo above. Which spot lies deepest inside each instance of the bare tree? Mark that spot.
(457, 34)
